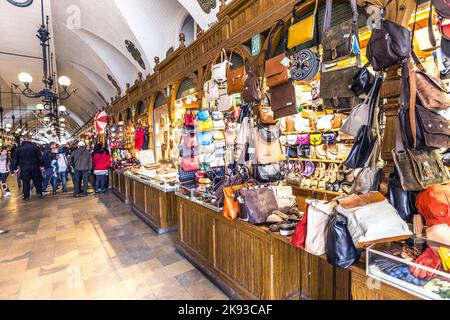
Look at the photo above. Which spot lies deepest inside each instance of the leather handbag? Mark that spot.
(329, 138)
(367, 228)
(290, 123)
(367, 135)
(319, 213)
(335, 88)
(268, 173)
(341, 251)
(231, 134)
(292, 140)
(303, 139)
(305, 66)
(225, 102)
(204, 138)
(358, 117)
(185, 176)
(256, 204)
(302, 31)
(251, 92)
(237, 177)
(363, 81)
(231, 202)
(268, 152)
(293, 152)
(219, 70)
(299, 237)
(368, 179)
(189, 119)
(211, 90)
(324, 122)
(190, 164)
(389, 45)
(338, 41)
(265, 113)
(434, 205)
(236, 77)
(301, 124)
(284, 196)
(283, 100)
(274, 71)
(269, 133)
(403, 201)
(440, 233)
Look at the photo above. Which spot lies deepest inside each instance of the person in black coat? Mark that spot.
(29, 158)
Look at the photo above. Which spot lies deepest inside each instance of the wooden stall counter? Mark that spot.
(152, 202)
(250, 262)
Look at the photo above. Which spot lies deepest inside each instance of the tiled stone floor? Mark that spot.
(90, 248)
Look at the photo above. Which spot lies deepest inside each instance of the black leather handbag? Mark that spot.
(367, 135)
(403, 201)
(388, 46)
(363, 81)
(341, 252)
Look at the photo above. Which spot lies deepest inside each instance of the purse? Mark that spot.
(283, 100)
(231, 203)
(238, 177)
(269, 133)
(268, 151)
(204, 138)
(284, 196)
(389, 45)
(324, 122)
(368, 179)
(292, 139)
(236, 78)
(305, 66)
(338, 41)
(301, 124)
(265, 113)
(363, 81)
(302, 31)
(329, 138)
(403, 201)
(211, 90)
(189, 119)
(290, 124)
(190, 164)
(341, 251)
(185, 176)
(335, 88)
(303, 139)
(219, 70)
(367, 135)
(204, 126)
(319, 213)
(231, 134)
(268, 173)
(315, 139)
(256, 204)
(275, 72)
(251, 92)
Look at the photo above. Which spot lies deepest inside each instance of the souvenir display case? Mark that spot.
(421, 269)
(201, 195)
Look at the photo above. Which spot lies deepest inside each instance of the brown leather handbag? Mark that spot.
(265, 112)
(337, 41)
(283, 100)
(275, 73)
(251, 92)
(231, 203)
(257, 204)
(335, 88)
(236, 77)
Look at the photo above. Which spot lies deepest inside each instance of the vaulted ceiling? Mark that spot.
(100, 45)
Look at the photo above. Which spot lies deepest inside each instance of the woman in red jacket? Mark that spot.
(101, 163)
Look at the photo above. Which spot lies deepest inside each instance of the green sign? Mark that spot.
(256, 45)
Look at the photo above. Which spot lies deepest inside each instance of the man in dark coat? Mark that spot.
(29, 158)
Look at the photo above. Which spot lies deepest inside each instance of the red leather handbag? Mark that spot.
(299, 237)
(190, 164)
(434, 205)
(189, 141)
(189, 119)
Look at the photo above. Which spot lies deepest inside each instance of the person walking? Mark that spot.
(29, 158)
(81, 162)
(48, 168)
(101, 163)
(19, 181)
(5, 162)
(60, 174)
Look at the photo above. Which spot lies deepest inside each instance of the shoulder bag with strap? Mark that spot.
(302, 31)
(236, 77)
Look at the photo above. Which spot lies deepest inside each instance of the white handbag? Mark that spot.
(292, 139)
(285, 196)
(219, 70)
(375, 223)
(225, 103)
(319, 214)
(324, 122)
(301, 124)
(211, 90)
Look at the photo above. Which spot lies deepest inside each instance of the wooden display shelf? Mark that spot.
(317, 160)
(318, 191)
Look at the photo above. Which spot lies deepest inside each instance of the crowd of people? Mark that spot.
(52, 166)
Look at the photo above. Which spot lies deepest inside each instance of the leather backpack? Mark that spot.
(251, 92)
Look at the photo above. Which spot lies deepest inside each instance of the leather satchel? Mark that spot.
(257, 204)
(231, 202)
(368, 179)
(265, 112)
(341, 251)
(432, 92)
(403, 201)
(335, 88)
(338, 41)
(363, 81)
(276, 73)
(283, 100)
(237, 177)
(268, 173)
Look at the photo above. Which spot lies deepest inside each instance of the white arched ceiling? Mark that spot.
(88, 39)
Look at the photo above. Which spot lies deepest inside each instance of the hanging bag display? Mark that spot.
(363, 81)
(338, 42)
(236, 77)
(335, 88)
(274, 71)
(219, 70)
(265, 112)
(189, 119)
(211, 90)
(302, 31)
(251, 92)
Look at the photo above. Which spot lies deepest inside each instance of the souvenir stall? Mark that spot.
(282, 205)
